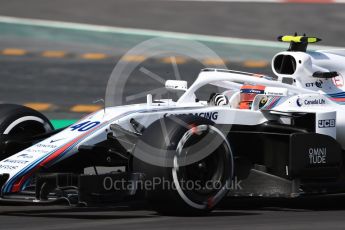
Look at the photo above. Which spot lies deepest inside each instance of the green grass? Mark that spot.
(62, 123)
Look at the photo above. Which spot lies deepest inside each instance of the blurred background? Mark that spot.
(57, 56)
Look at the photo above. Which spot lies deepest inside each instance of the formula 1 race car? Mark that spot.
(259, 136)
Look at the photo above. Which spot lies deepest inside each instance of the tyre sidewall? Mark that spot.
(163, 200)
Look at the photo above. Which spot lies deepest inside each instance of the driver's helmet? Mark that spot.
(248, 93)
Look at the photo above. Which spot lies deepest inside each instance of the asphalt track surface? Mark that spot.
(244, 20)
(313, 214)
(69, 81)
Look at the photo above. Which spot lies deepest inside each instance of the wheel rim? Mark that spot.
(210, 169)
(211, 175)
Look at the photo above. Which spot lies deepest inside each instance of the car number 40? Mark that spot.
(85, 126)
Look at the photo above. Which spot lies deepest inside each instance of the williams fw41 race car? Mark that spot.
(258, 136)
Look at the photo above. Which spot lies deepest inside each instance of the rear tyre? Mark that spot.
(20, 123)
(191, 172)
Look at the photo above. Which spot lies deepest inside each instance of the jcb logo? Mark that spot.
(328, 123)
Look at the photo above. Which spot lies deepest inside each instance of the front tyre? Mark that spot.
(187, 161)
(19, 123)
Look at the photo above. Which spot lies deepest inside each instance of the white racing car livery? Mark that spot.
(281, 137)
